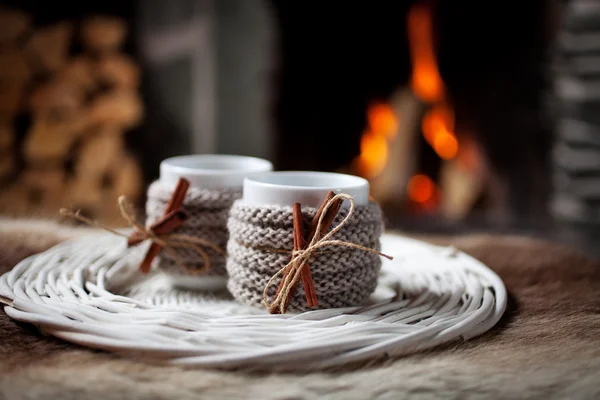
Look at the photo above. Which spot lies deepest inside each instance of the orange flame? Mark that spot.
(439, 118)
(382, 126)
(382, 120)
(446, 146)
(421, 188)
(438, 129)
(426, 81)
(373, 153)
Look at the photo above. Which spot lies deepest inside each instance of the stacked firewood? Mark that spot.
(73, 109)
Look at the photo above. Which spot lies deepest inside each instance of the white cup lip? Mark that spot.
(212, 171)
(284, 188)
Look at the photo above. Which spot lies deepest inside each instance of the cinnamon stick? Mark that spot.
(326, 224)
(178, 196)
(174, 203)
(327, 219)
(285, 273)
(163, 226)
(299, 244)
(307, 281)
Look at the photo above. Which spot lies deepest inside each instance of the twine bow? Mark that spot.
(300, 258)
(169, 242)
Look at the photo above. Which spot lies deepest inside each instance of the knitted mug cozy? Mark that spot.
(260, 244)
(207, 211)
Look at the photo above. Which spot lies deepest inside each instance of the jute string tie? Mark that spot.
(168, 242)
(300, 258)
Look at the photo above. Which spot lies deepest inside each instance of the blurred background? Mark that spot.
(463, 115)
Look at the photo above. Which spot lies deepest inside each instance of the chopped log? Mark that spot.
(43, 189)
(48, 47)
(99, 201)
(12, 94)
(85, 194)
(103, 34)
(14, 201)
(58, 95)
(43, 178)
(51, 138)
(461, 187)
(128, 179)
(119, 70)
(80, 71)
(7, 164)
(97, 153)
(7, 135)
(68, 89)
(15, 73)
(14, 25)
(119, 108)
(14, 65)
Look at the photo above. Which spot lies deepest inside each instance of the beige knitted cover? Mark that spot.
(207, 211)
(342, 276)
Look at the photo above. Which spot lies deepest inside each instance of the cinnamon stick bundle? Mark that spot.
(301, 241)
(174, 204)
(299, 244)
(163, 226)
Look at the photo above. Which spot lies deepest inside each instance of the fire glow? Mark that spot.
(438, 127)
(437, 124)
(374, 143)
(421, 188)
(427, 85)
(426, 82)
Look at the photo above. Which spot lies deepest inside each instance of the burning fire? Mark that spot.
(382, 119)
(438, 129)
(421, 188)
(382, 127)
(438, 122)
(427, 84)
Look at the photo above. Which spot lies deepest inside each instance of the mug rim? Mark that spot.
(260, 179)
(198, 170)
(171, 164)
(265, 189)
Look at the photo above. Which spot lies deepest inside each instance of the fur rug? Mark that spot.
(546, 346)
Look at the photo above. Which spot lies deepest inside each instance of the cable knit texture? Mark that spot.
(207, 219)
(343, 276)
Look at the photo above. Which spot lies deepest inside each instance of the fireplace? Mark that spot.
(440, 106)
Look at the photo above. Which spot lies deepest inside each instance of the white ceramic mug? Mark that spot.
(252, 263)
(309, 188)
(209, 171)
(212, 171)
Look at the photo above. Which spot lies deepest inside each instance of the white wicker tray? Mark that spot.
(88, 291)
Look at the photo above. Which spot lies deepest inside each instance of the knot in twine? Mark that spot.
(168, 241)
(300, 258)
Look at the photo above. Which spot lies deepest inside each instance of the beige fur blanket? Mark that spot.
(546, 346)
